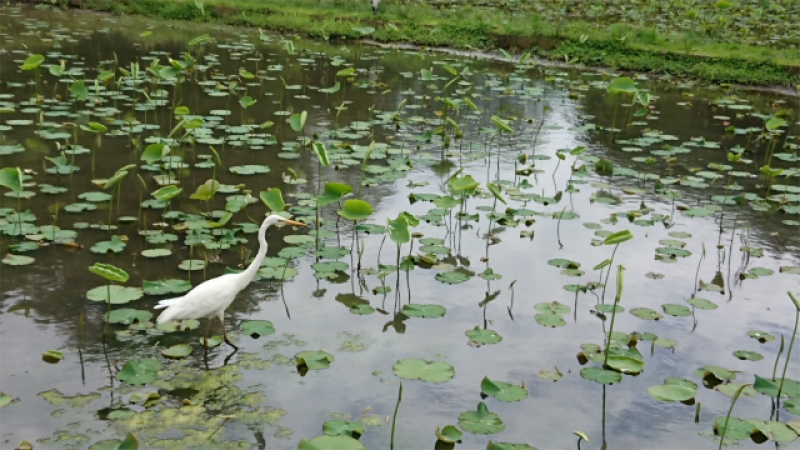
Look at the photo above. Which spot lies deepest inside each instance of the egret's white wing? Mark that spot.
(206, 299)
(167, 302)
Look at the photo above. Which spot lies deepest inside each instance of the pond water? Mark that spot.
(714, 238)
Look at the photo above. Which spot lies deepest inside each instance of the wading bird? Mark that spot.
(375, 5)
(210, 298)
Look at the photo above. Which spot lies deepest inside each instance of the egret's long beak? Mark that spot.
(295, 223)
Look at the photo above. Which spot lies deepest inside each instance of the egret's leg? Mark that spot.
(225, 332)
(208, 330)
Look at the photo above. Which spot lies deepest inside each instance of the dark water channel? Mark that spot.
(670, 187)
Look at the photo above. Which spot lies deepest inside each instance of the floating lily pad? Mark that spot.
(127, 316)
(602, 376)
(550, 319)
(449, 434)
(249, 169)
(313, 360)
(119, 294)
(426, 311)
(718, 372)
(419, 369)
(138, 372)
(646, 314)
(343, 428)
(52, 356)
(340, 442)
(676, 310)
(508, 446)
(192, 264)
(17, 260)
(701, 303)
(748, 355)
(774, 430)
(730, 389)
(452, 277)
(761, 336)
(362, 309)
(5, 399)
(156, 253)
(503, 391)
(257, 328)
(736, 429)
(163, 287)
(177, 351)
(481, 421)
(672, 392)
(482, 336)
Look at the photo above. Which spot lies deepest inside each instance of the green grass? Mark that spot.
(692, 51)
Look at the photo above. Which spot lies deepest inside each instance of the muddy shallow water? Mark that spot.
(672, 186)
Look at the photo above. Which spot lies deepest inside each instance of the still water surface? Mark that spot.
(44, 304)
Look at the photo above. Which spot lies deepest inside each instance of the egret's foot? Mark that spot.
(228, 341)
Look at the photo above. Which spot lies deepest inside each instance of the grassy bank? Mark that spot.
(759, 47)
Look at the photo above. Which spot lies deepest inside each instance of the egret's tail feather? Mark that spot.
(167, 302)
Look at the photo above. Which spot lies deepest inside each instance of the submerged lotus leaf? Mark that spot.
(343, 427)
(672, 392)
(340, 442)
(119, 294)
(481, 421)
(257, 328)
(419, 369)
(483, 336)
(503, 391)
(426, 311)
(313, 360)
(177, 351)
(55, 398)
(600, 375)
(163, 287)
(736, 429)
(330, 266)
(646, 314)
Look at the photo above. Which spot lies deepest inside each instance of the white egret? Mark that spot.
(375, 5)
(210, 298)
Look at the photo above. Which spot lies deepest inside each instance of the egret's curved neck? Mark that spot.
(250, 272)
